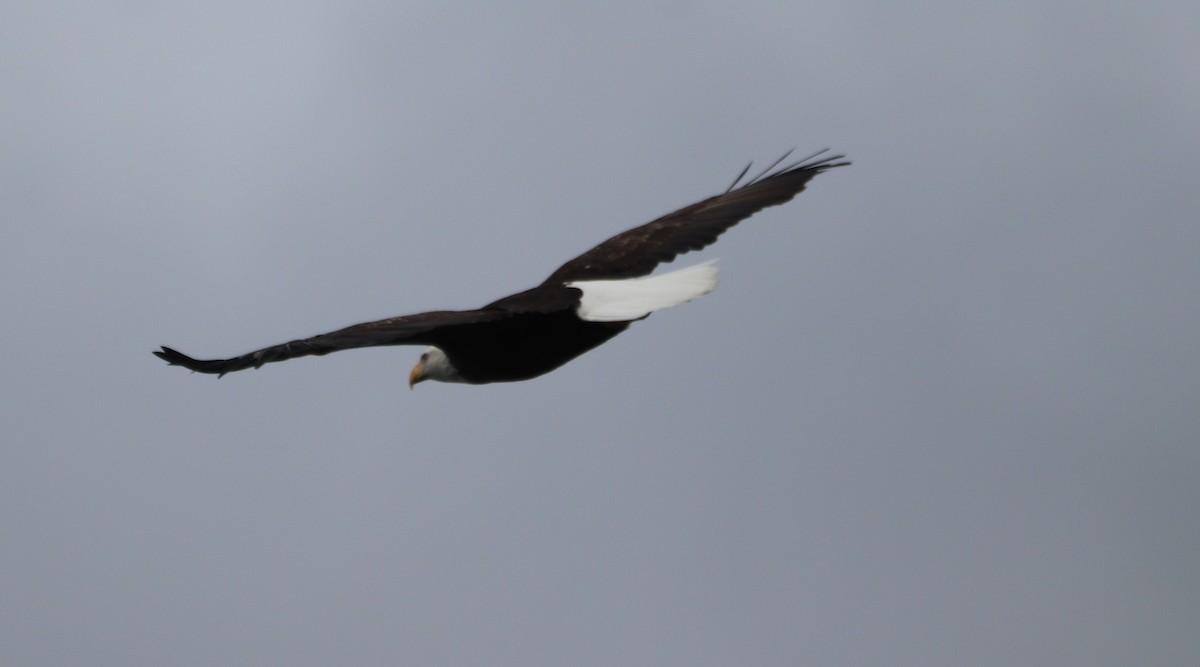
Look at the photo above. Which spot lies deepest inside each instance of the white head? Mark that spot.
(434, 365)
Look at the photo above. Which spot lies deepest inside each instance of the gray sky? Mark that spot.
(941, 411)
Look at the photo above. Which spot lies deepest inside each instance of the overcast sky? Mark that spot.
(941, 411)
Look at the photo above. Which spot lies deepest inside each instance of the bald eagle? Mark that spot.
(584, 303)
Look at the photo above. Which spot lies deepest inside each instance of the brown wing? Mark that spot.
(420, 329)
(637, 251)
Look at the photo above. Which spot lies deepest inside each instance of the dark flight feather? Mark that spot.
(636, 252)
(419, 329)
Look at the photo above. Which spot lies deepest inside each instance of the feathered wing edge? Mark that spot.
(419, 329)
(636, 252)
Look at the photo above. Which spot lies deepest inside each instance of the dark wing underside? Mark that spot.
(636, 252)
(419, 329)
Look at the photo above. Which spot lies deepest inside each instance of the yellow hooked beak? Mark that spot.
(416, 375)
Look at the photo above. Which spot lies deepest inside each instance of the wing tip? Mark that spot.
(174, 357)
(809, 164)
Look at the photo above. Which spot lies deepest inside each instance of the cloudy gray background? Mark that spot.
(942, 410)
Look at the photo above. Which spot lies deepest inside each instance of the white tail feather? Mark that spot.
(632, 298)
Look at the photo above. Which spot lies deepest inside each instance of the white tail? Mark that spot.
(633, 298)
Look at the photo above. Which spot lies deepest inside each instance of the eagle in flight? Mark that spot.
(584, 303)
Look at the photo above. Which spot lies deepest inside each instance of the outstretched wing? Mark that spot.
(636, 252)
(420, 329)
